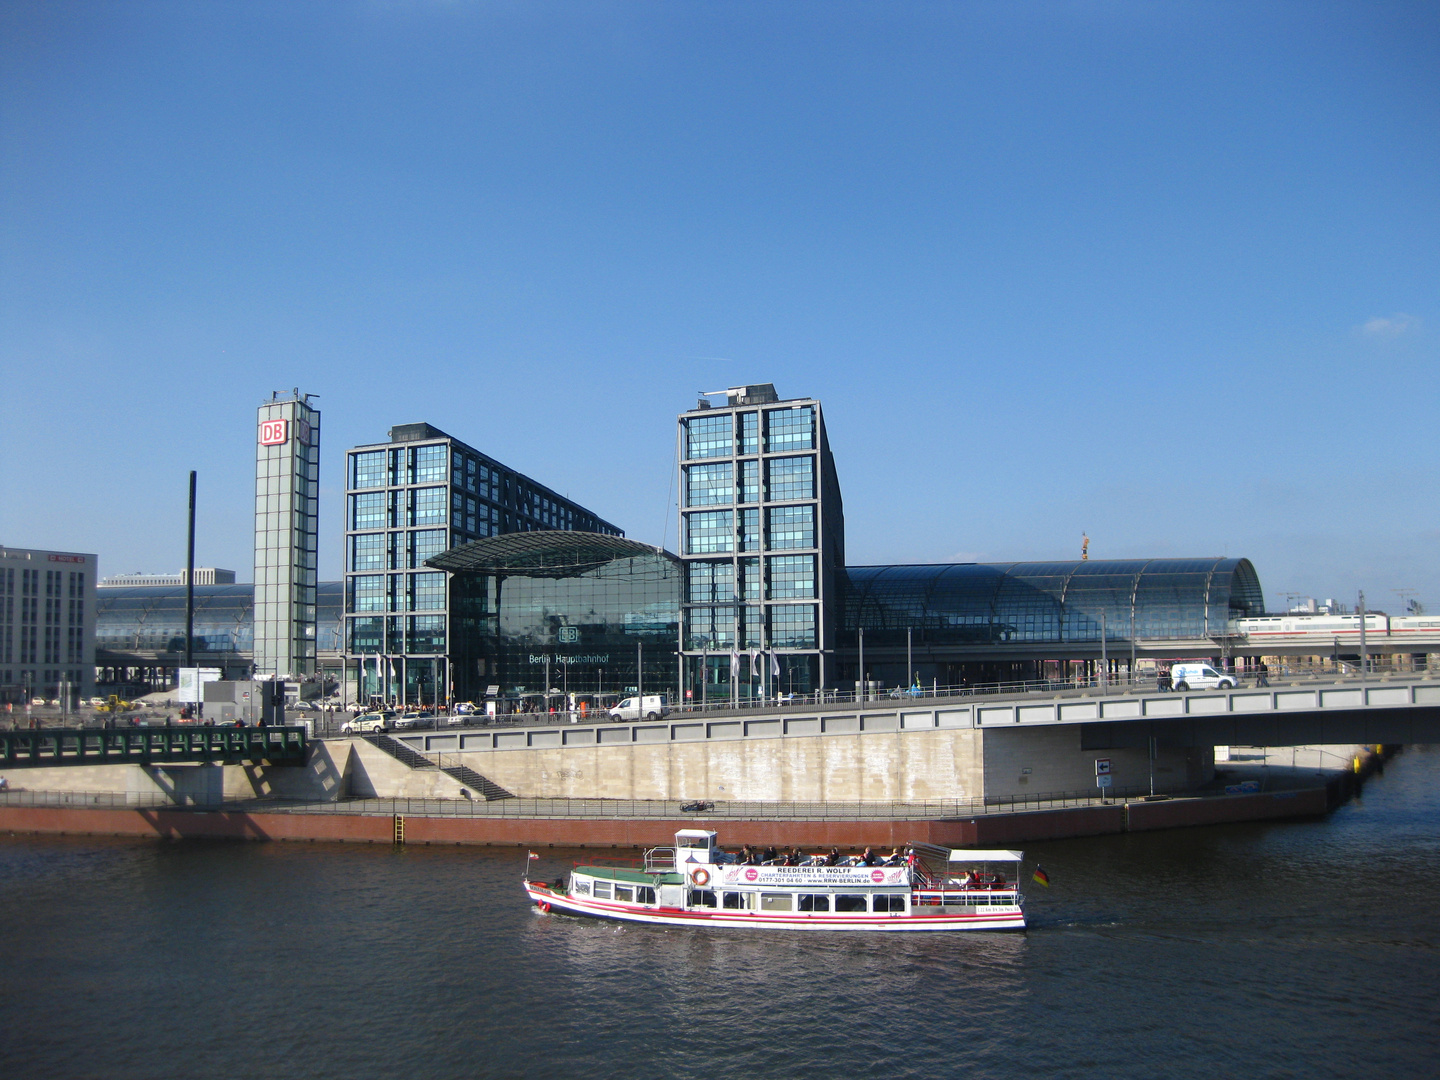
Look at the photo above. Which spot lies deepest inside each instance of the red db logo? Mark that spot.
(877, 876)
(273, 432)
(752, 874)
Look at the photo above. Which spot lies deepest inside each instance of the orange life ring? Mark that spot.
(543, 905)
(700, 877)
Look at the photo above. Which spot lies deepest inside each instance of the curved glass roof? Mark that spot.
(549, 553)
(988, 603)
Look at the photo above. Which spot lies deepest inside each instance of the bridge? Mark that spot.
(47, 747)
(974, 747)
(1394, 709)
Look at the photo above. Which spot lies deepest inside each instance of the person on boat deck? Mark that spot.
(833, 859)
(771, 856)
(896, 858)
(868, 858)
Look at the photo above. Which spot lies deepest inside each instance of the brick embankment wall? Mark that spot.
(997, 830)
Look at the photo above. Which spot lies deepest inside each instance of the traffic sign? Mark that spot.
(1103, 780)
(1102, 767)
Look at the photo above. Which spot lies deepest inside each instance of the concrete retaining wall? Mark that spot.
(862, 766)
(322, 777)
(909, 766)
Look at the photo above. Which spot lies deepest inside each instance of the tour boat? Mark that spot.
(696, 883)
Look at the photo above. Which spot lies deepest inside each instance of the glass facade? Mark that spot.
(582, 615)
(1045, 609)
(409, 501)
(149, 621)
(742, 600)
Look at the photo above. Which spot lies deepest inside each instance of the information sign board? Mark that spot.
(192, 681)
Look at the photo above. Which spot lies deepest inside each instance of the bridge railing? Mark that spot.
(30, 747)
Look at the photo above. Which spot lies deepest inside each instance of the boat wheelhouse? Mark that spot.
(697, 883)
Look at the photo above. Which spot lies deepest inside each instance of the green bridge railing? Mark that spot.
(107, 746)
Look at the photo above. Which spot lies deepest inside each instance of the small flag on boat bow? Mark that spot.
(1040, 877)
(533, 855)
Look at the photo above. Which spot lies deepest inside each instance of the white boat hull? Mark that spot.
(1000, 917)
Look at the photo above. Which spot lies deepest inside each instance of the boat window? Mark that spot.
(776, 902)
(814, 902)
(733, 900)
(702, 898)
(602, 890)
(582, 887)
(625, 892)
(889, 902)
(644, 894)
(851, 903)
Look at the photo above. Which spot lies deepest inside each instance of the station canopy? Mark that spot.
(1048, 603)
(549, 553)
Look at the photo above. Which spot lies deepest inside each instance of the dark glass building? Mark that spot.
(416, 496)
(982, 621)
(762, 536)
(581, 613)
(584, 602)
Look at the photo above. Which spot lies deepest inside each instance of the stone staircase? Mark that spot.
(487, 788)
(450, 765)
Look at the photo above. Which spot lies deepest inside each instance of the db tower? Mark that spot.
(287, 498)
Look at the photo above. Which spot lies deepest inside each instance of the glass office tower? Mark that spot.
(762, 539)
(287, 499)
(408, 500)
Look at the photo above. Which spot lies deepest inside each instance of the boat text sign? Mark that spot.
(807, 876)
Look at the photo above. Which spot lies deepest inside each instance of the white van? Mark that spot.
(1199, 677)
(654, 707)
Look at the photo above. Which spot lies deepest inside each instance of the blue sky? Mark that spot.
(1165, 274)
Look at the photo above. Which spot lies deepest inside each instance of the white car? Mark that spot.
(1199, 677)
(363, 724)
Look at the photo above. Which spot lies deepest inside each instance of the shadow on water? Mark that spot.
(1264, 950)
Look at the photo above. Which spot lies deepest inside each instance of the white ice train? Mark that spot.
(1379, 627)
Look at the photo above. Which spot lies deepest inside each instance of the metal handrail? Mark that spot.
(601, 809)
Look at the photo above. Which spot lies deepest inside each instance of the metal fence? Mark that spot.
(900, 697)
(580, 809)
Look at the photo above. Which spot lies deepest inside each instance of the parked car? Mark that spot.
(365, 723)
(651, 707)
(1199, 677)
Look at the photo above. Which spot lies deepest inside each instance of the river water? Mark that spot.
(1277, 950)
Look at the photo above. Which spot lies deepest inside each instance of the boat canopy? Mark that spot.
(985, 855)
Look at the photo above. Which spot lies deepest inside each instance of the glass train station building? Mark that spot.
(407, 500)
(464, 579)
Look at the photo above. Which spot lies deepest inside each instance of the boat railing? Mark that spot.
(659, 860)
(617, 862)
(952, 892)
